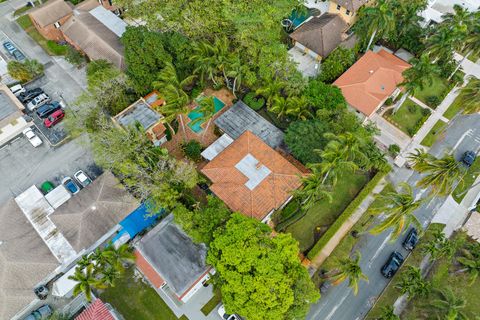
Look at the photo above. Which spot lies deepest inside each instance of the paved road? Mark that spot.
(339, 303)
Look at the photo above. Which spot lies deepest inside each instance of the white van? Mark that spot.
(17, 89)
(38, 101)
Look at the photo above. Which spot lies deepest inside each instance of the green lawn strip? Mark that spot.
(324, 213)
(349, 210)
(57, 49)
(24, 9)
(136, 301)
(26, 24)
(443, 274)
(390, 294)
(454, 109)
(408, 118)
(434, 133)
(468, 180)
(439, 88)
(212, 303)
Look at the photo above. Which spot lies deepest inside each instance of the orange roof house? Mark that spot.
(251, 177)
(372, 80)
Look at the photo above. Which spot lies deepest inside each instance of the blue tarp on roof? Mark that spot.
(137, 221)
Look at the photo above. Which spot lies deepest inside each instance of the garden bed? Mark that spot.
(434, 133)
(461, 190)
(409, 117)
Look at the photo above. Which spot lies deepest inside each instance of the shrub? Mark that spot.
(393, 150)
(336, 63)
(389, 101)
(433, 101)
(73, 56)
(425, 112)
(254, 102)
(57, 49)
(192, 150)
(25, 71)
(346, 214)
(412, 108)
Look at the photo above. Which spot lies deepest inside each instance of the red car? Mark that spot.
(54, 118)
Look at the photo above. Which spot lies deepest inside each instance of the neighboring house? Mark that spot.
(171, 261)
(240, 118)
(142, 112)
(98, 310)
(50, 16)
(437, 8)
(251, 177)
(347, 9)
(12, 122)
(371, 81)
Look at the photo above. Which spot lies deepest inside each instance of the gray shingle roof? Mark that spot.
(352, 5)
(240, 118)
(50, 12)
(140, 112)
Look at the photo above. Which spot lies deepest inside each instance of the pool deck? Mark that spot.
(205, 137)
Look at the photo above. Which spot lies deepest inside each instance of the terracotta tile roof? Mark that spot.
(321, 34)
(352, 5)
(50, 12)
(231, 185)
(148, 271)
(371, 80)
(96, 311)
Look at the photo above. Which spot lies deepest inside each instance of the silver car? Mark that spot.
(38, 101)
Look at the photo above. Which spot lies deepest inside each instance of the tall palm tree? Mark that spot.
(412, 283)
(470, 96)
(388, 314)
(349, 269)
(439, 246)
(377, 19)
(440, 174)
(376, 158)
(398, 209)
(449, 306)
(120, 256)
(86, 281)
(353, 144)
(279, 106)
(109, 275)
(204, 60)
(271, 90)
(85, 261)
(335, 161)
(237, 71)
(299, 108)
(206, 107)
(222, 56)
(440, 45)
(313, 189)
(421, 74)
(419, 158)
(470, 260)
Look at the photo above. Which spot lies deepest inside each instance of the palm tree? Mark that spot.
(237, 72)
(376, 158)
(412, 283)
(439, 246)
(349, 269)
(222, 56)
(398, 209)
(470, 96)
(109, 275)
(85, 261)
(388, 314)
(353, 144)
(470, 260)
(313, 189)
(419, 158)
(279, 106)
(86, 281)
(449, 305)
(375, 19)
(298, 108)
(204, 61)
(335, 161)
(440, 174)
(270, 90)
(206, 107)
(440, 45)
(120, 256)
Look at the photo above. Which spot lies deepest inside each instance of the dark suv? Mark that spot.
(392, 265)
(468, 158)
(28, 95)
(47, 109)
(411, 240)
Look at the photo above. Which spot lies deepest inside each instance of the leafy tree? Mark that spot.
(265, 279)
(86, 281)
(449, 305)
(349, 269)
(376, 158)
(388, 314)
(470, 260)
(412, 283)
(470, 97)
(398, 209)
(314, 189)
(440, 45)
(192, 150)
(271, 90)
(25, 71)
(324, 96)
(375, 21)
(144, 56)
(74, 56)
(201, 222)
(180, 49)
(337, 62)
(302, 137)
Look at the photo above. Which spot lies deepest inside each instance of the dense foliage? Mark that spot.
(25, 71)
(324, 96)
(337, 62)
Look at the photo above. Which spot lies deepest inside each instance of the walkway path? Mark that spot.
(469, 68)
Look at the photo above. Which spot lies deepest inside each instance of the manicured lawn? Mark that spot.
(408, 118)
(26, 24)
(434, 133)
(216, 299)
(324, 213)
(454, 109)
(136, 301)
(438, 88)
(468, 180)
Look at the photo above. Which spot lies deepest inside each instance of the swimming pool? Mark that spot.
(195, 114)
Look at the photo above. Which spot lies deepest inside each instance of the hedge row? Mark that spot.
(347, 213)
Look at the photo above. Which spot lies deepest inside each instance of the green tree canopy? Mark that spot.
(302, 137)
(264, 280)
(324, 96)
(337, 62)
(24, 71)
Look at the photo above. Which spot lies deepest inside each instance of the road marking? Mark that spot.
(335, 308)
(468, 132)
(384, 243)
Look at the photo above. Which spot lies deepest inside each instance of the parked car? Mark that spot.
(468, 158)
(47, 109)
(38, 101)
(32, 137)
(226, 316)
(18, 55)
(392, 265)
(27, 96)
(9, 47)
(46, 187)
(82, 178)
(17, 89)
(41, 313)
(71, 186)
(411, 240)
(54, 118)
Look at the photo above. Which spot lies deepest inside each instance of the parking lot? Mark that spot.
(22, 165)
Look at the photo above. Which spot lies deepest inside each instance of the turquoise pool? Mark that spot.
(195, 114)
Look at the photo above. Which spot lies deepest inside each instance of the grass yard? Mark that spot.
(461, 190)
(454, 109)
(324, 213)
(409, 117)
(136, 301)
(216, 299)
(439, 88)
(50, 47)
(434, 133)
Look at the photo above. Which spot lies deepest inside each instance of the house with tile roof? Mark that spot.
(368, 83)
(251, 177)
(347, 9)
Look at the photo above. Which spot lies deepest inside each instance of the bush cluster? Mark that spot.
(192, 150)
(254, 102)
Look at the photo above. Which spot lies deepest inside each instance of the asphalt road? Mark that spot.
(339, 303)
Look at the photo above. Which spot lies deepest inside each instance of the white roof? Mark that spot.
(218, 146)
(63, 286)
(109, 19)
(58, 196)
(253, 170)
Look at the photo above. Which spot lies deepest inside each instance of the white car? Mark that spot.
(82, 178)
(32, 137)
(38, 101)
(225, 316)
(17, 89)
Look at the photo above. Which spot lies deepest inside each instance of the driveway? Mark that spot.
(389, 134)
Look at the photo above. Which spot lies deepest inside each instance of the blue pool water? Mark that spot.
(195, 114)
